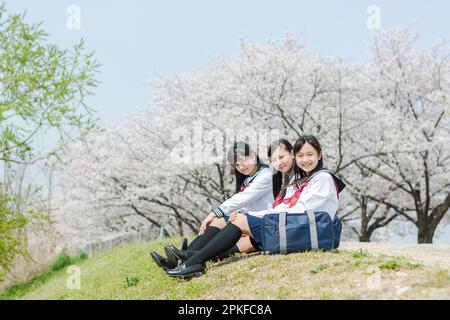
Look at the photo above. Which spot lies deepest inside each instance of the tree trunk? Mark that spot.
(180, 227)
(364, 233)
(427, 225)
(425, 235)
(365, 237)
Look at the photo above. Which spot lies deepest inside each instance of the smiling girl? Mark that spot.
(253, 193)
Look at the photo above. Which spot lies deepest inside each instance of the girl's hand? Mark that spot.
(205, 223)
(233, 216)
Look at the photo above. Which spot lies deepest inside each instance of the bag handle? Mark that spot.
(313, 230)
(282, 232)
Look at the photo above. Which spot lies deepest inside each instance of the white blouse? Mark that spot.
(256, 196)
(319, 195)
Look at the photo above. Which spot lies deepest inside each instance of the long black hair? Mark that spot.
(277, 180)
(301, 141)
(237, 151)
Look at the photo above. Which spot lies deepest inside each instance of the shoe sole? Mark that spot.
(190, 276)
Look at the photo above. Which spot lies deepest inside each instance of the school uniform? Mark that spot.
(319, 192)
(255, 195)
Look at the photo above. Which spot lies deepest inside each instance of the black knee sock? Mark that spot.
(200, 241)
(193, 243)
(234, 249)
(184, 244)
(219, 244)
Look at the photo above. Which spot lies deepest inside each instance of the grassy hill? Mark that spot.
(130, 273)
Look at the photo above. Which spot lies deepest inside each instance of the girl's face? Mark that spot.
(307, 158)
(246, 165)
(282, 160)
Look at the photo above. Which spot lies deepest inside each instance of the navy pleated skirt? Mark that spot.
(255, 224)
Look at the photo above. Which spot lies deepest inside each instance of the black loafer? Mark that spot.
(173, 259)
(184, 245)
(183, 271)
(174, 254)
(162, 262)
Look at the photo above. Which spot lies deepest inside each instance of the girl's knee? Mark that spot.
(241, 222)
(218, 223)
(240, 219)
(245, 245)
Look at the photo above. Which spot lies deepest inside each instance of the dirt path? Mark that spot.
(428, 254)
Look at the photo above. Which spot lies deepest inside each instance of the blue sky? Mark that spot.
(136, 39)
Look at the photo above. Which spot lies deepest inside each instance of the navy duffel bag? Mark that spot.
(293, 232)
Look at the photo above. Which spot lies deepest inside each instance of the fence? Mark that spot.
(46, 247)
(142, 235)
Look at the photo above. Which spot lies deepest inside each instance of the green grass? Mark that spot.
(390, 265)
(130, 273)
(439, 278)
(360, 254)
(62, 260)
(131, 281)
(320, 268)
(415, 265)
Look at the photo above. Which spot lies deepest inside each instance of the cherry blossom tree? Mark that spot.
(382, 125)
(412, 87)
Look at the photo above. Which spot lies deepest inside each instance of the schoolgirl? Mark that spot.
(253, 193)
(281, 155)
